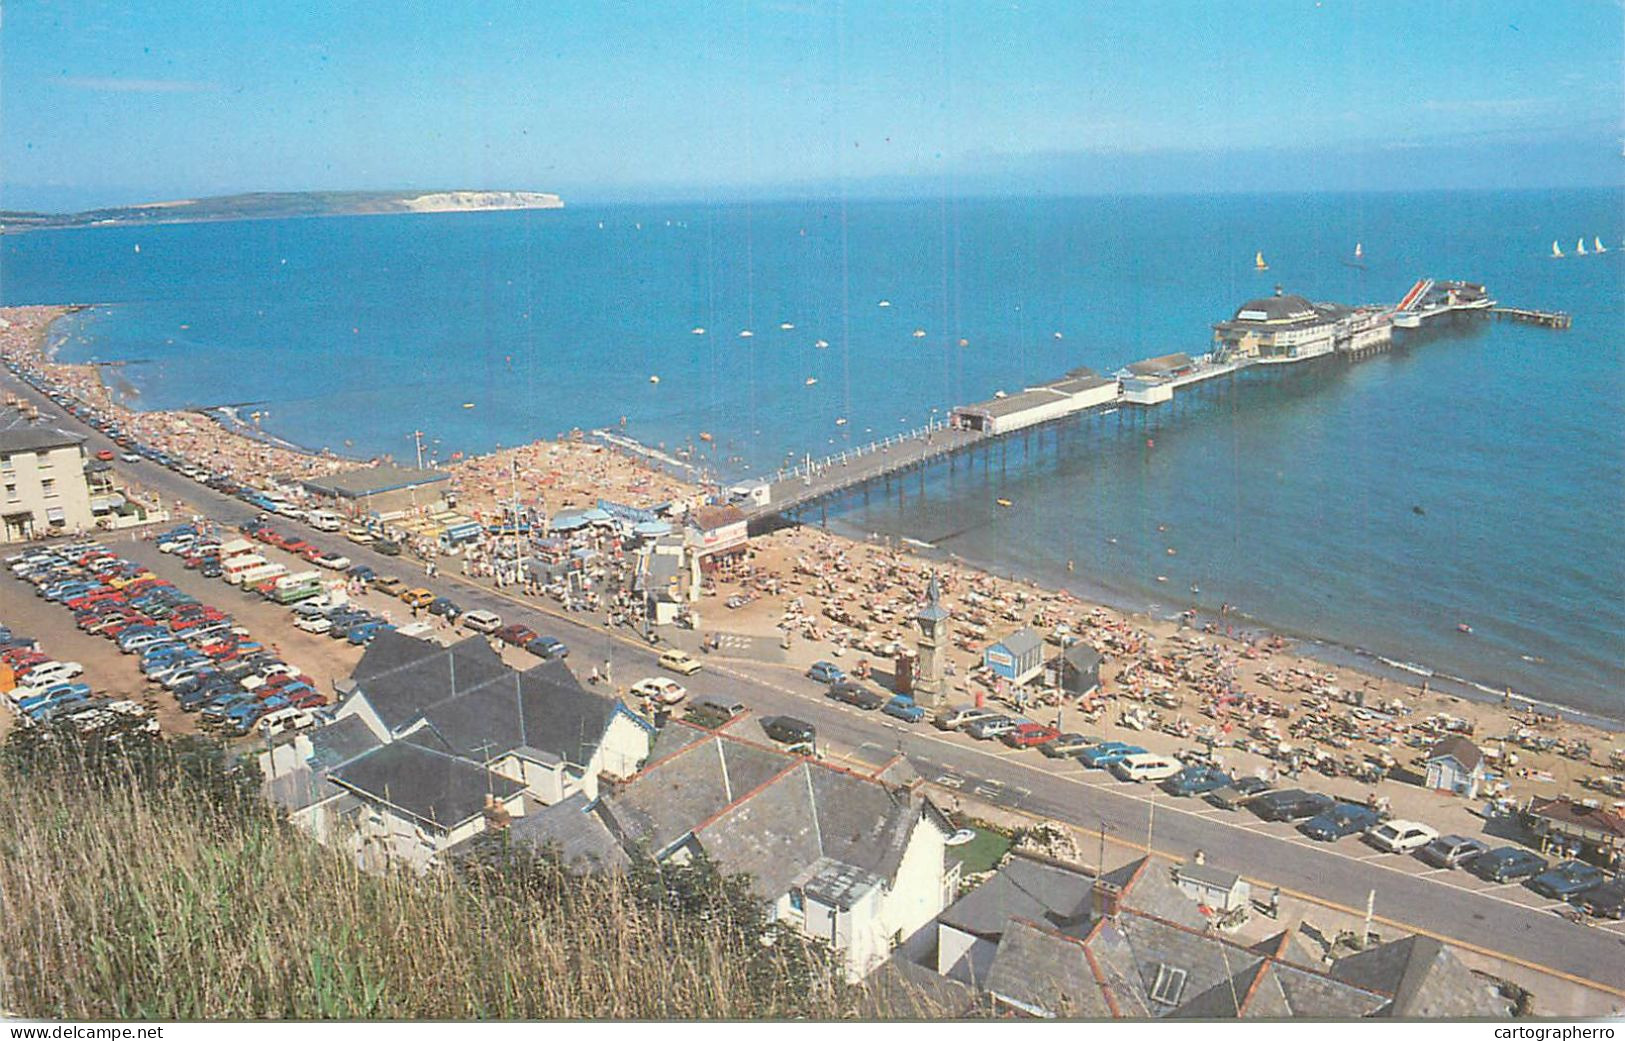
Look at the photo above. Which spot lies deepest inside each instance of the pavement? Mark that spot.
(1505, 922)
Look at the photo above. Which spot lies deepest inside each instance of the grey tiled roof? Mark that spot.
(1023, 888)
(1046, 974)
(1426, 980)
(436, 788)
(573, 829)
(1022, 641)
(20, 433)
(339, 742)
(400, 682)
(900, 989)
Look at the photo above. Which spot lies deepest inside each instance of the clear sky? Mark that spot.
(106, 102)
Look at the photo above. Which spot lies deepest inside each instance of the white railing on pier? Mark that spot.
(808, 470)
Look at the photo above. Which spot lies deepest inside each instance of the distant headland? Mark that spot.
(273, 205)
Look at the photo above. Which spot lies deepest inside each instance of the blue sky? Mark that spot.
(107, 102)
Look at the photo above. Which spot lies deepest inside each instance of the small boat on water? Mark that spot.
(919, 334)
(138, 247)
(654, 379)
(698, 330)
(1464, 628)
(1596, 245)
(1580, 248)
(821, 344)
(1058, 335)
(787, 326)
(964, 342)
(468, 404)
(1557, 254)
(745, 334)
(1004, 502)
(885, 303)
(812, 381)
(1359, 251)
(841, 422)
(1258, 262)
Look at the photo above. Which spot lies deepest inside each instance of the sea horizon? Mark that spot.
(1290, 499)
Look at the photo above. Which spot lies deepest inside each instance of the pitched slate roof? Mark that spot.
(1023, 888)
(1022, 641)
(765, 813)
(435, 788)
(900, 989)
(574, 830)
(25, 433)
(1046, 973)
(339, 742)
(400, 682)
(1426, 980)
(1458, 748)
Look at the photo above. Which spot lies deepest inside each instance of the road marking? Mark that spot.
(950, 781)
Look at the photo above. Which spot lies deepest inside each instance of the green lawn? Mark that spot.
(982, 852)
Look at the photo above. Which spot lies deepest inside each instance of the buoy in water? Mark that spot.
(964, 342)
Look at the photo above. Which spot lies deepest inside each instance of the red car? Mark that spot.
(267, 535)
(1030, 735)
(518, 635)
(112, 631)
(307, 699)
(105, 456)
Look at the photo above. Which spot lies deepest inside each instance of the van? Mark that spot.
(1146, 766)
(232, 569)
(482, 621)
(235, 548)
(263, 572)
(325, 520)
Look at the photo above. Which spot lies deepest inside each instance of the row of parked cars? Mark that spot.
(1320, 817)
(197, 652)
(42, 689)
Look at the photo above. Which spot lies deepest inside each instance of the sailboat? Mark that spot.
(1580, 248)
(1359, 251)
(1258, 262)
(1597, 246)
(1557, 254)
(1358, 260)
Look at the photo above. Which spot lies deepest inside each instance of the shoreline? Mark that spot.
(1367, 662)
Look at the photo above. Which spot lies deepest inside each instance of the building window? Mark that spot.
(42, 459)
(11, 493)
(1169, 985)
(48, 488)
(798, 901)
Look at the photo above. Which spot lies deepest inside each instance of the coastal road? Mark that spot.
(1506, 921)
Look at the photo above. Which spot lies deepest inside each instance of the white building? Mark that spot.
(43, 487)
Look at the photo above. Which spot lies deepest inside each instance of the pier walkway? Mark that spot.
(1550, 319)
(837, 473)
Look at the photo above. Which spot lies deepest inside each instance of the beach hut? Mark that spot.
(1455, 765)
(1018, 657)
(1080, 669)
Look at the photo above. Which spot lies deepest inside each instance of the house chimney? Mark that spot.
(497, 816)
(1105, 898)
(1199, 857)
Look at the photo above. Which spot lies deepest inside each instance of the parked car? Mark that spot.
(1451, 851)
(388, 585)
(387, 548)
(1341, 821)
(331, 561)
(787, 730)
(1196, 780)
(516, 635)
(1568, 879)
(483, 621)
(1290, 804)
(712, 712)
(679, 662)
(1605, 901)
(313, 624)
(1101, 756)
(853, 693)
(904, 708)
(444, 607)
(992, 726)
(548, 647)
(826, 672)
(1146, 766)
(419, 598)
(659, 689)
(1029, 735)
(1508, 864)
(1400, 836)
(959, 718)
(1067, 745)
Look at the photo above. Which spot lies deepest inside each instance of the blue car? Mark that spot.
(903, 707)
(364, 634)
(826, 672)
(1104, 755)
(45, 709)
(1570, 878)
(1196, 780)
(1507, 864)
(53, 694)
(1341, 821)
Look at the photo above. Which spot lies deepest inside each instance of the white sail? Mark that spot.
(1597, 246)
(1580, 248)
(1258, 262)
(1556, 252)
(1359, 250)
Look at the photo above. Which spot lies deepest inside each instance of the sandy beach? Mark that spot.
(1196, 688)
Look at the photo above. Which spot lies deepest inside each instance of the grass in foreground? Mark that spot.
(170, 891)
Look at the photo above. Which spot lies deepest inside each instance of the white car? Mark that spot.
(655, 688)
(313, 623)
(1399, 836)
(332, 561)
(53, 672)
(482, 621)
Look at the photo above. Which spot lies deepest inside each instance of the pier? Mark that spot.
(1268, 334)
(1549, 319)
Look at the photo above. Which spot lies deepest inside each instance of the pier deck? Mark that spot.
(850, 469)
(1550, 319)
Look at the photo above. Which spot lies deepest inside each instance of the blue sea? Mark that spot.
(1473, 477)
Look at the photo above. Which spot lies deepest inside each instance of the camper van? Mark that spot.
(253, 576)
(233, 569)
(1146, 766)
(284, 719)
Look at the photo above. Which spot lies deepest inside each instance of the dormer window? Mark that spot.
(1169, 984)
(798, 900)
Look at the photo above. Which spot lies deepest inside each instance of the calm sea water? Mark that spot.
(1290, 497)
